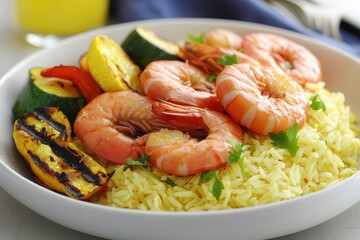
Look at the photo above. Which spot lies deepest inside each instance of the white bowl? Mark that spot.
(341, 73)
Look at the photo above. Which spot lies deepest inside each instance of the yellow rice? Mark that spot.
(328, 153)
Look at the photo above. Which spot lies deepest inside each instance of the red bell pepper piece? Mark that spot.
(86, 84)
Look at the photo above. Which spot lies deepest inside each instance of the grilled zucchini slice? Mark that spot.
(48, 92)
(43, 138)
(144, 46)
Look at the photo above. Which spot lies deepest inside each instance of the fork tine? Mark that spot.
(310, 21)
(323, 19)
(335, 29)
(325, 26)
(319, 23)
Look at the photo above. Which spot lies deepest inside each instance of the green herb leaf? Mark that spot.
(206, 176)
(130, 162)
(144, 159)
(237, 155)
(317, 103)
(217, 188)
(212, 77)
(198, 39)
(227, 60)
(288, 65)
(170, 182)
(286, 140)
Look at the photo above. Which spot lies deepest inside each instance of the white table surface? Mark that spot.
(17, 222)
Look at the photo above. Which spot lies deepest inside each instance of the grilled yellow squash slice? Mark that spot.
(111, 67)
(43, 138)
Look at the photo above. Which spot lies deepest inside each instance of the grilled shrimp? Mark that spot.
(262, 99)
(223, 38)
(176, 153)
(206, 57)
(179, 82)
(106, 124)
(281, 53)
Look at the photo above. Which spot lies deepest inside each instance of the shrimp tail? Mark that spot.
(179, 115)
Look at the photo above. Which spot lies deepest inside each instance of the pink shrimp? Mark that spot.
(223, 38)
(176, 153)
(261, 98)
(207, 57)
(179, 82)
(281, 53)
(104, 125)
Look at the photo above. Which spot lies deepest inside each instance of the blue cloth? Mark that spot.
(258, 11)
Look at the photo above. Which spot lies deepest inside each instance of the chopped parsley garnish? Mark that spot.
(237, 155)
(144, 161)
(217, 187)
(288, 140)
(288, 65)
(206, 176)
(213, 77)
(198, 39)
(170, 182)
(317, 103)
(227, 60)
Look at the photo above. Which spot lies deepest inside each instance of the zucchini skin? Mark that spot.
(33, 97)
(43, 138)
(143, 50)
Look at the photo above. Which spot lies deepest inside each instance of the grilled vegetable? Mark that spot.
(82, 80)
(143, 47)
(43, 138)
(111, 67)
(83, 63)
(49, 92)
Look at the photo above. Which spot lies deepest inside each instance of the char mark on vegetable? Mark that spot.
(70, 156)
(62, 177)
(43, 114)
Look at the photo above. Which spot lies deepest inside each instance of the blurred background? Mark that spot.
(331, 21)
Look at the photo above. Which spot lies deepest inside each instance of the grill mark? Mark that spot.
(77, 164)
(43, 165)
(69, 155)
(73, 191)
(62, 177)
(43, 114)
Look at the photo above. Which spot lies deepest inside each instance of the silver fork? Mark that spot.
(316, 17)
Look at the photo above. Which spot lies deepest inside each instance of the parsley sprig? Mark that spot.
(288, 140)
(143, 162)
(227, 60)
(212, 77)
(288, 65)
(198, 39)
(317, 103)
(237, 155)
(217, 187)
(223, 61)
